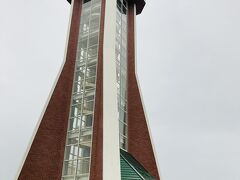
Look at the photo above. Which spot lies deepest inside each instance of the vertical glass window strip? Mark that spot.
(77, 157)
(121, 63)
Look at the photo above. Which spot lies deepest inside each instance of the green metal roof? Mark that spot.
(131, 169)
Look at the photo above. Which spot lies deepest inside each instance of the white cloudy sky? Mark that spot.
(188, 66)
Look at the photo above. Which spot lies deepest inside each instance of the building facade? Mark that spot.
(94, 126)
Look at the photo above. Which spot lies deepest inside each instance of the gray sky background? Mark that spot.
(188, 68)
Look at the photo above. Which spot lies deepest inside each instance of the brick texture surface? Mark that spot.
(97, 140)
(139, 142)
(45, 158)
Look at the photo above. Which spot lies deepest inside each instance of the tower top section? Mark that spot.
(139, 4)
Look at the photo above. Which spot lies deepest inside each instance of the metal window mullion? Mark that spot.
(126, 98)
(69, 121)
(122, 68)
(98, 30)
(84, 87)
(123, 123)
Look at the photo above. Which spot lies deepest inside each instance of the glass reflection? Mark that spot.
(79, 137)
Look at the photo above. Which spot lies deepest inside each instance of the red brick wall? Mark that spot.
(139, 142)
(45, 158)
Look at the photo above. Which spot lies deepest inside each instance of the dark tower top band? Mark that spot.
(139, 4)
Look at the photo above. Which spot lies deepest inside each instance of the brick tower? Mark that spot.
(94, 127)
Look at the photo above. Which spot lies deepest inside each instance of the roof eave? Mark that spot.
(139, 5)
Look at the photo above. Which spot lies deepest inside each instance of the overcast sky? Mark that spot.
(188, 67)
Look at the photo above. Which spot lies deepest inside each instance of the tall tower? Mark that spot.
(94, 126)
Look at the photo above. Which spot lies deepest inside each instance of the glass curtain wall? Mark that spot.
(121, 62)
(79, 138)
